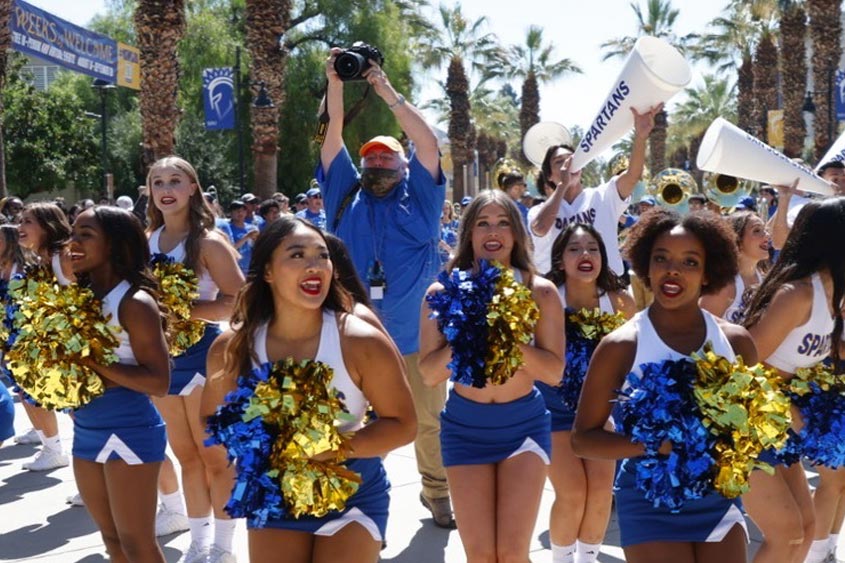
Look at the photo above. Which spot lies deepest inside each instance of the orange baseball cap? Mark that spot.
(382, 141)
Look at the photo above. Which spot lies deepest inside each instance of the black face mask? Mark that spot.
(379, 181)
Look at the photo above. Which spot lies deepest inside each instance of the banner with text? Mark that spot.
(218, 96)
(44, 35)
(128, 66)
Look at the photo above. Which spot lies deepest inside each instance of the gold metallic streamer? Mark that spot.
(178, 285)
(820, 374)
(595, 324)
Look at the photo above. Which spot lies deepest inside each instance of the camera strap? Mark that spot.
(323, 119)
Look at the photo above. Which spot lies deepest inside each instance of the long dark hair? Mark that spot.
(254, 302)
(464, 258)
(814, 243)
(607, 280)
(345, 272)
(54, 223)
(12, 251)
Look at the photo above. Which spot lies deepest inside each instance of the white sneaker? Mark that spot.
(195, 554)
(75, 500)
(28, 437)
(168, 522)
(218, 555)
(46, 460)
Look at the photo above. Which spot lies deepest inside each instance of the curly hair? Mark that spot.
(607, 280)
(717, 238)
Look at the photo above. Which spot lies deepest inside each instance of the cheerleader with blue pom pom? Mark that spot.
(493, 327)
(595, 304)
(794, 317)
(287, 396)
(667, 506)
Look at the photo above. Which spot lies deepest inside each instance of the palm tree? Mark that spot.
(793, 30)
(5, 44)
(159, 26)
(532, 62)
(765, 73)
(266, 22)
(657, 21)
(460, 41)
(825, 32)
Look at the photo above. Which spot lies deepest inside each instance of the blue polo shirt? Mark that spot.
(400, 230)
(317, 219)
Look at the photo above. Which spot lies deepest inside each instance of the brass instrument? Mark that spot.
(725, 190)
(618, 164)
(672, 189)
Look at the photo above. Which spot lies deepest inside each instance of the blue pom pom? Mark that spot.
(660, 406)
(579, 351)
(822, 439)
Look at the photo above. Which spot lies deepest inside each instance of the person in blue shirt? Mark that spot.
(240, 233)
(389, 217)
(513, 184)
(252, 201)
(314, 212)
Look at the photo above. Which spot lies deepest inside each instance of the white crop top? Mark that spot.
(208, 290)
(808, 344)
(111, 306)
(328, 352)
(651, 348)
(56, 264)
(605, 304)
(736, 310)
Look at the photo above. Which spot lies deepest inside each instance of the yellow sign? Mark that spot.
(128, 66)
(774, 131)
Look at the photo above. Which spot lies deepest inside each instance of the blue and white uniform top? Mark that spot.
(111, 306)
(56, 264)
(808, 344)
(736, 309)
(605, 304)
(208, 290)
(329, 353)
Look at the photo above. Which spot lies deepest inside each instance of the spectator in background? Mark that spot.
(647, 203)
(300, 202)
(125, 202)
(314, 212)
(284, 203)
(240, 233)
(252, 202)
(448, 232)
(12, 209)
(268, 211)
(513, 184)
(697, 202)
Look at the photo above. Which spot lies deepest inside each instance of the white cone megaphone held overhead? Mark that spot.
(653, 72)
(540, 137)
(835, 153)
(727, 149)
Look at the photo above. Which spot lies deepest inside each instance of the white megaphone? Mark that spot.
(727, 149)
(653, 72)
(540, 137)
(835, 153)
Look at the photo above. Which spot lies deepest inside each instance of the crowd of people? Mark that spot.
(346, 281)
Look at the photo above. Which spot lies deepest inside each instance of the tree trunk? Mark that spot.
(266, 21)
(529, 112)
(825, 32)
(5, 45)
(460, 127)
(657, 143)
(159, 26)
(745, 94)
(793, 31)
(765, 71)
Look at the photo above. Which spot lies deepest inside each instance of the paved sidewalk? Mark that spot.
(37, 525)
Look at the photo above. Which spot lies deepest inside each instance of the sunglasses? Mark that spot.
(318, 196)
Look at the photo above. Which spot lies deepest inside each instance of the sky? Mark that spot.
(576, 28)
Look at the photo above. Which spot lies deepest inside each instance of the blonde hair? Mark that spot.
(200, 213)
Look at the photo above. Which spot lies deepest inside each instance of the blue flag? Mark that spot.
(218, 95)
(839, 84)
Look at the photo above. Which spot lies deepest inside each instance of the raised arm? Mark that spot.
(410, 119)
(545, 218)
(643, 124)
(779, 224)
(334, 105)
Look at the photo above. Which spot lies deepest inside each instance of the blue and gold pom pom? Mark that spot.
(178, 286)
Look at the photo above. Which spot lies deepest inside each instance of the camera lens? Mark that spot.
(349, 65)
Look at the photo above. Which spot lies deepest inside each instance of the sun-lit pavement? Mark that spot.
(36, 524)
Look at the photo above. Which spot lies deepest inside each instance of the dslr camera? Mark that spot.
(356, 59)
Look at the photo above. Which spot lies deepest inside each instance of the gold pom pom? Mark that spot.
(511, 315)
(595, 324)
(58, 326)
(179, 289)
(748, 411)
(820, 374)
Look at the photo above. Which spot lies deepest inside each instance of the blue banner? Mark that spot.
(43, 35)
(839, 83)
(218, 96)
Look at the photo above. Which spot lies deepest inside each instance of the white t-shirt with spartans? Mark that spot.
(600, 207)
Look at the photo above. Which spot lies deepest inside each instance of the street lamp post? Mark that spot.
(103, 87)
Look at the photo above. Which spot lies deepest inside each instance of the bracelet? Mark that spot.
(400, 101)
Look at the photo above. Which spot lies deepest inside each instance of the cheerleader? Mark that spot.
(292, 306)
(119, 437)
(752, 241)
(794, 317)
(496, 440)
(583, 495)
(11, 263)
(181, 225)
(45, 232)
(679, 258)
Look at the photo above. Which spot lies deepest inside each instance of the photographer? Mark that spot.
(389, 218)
